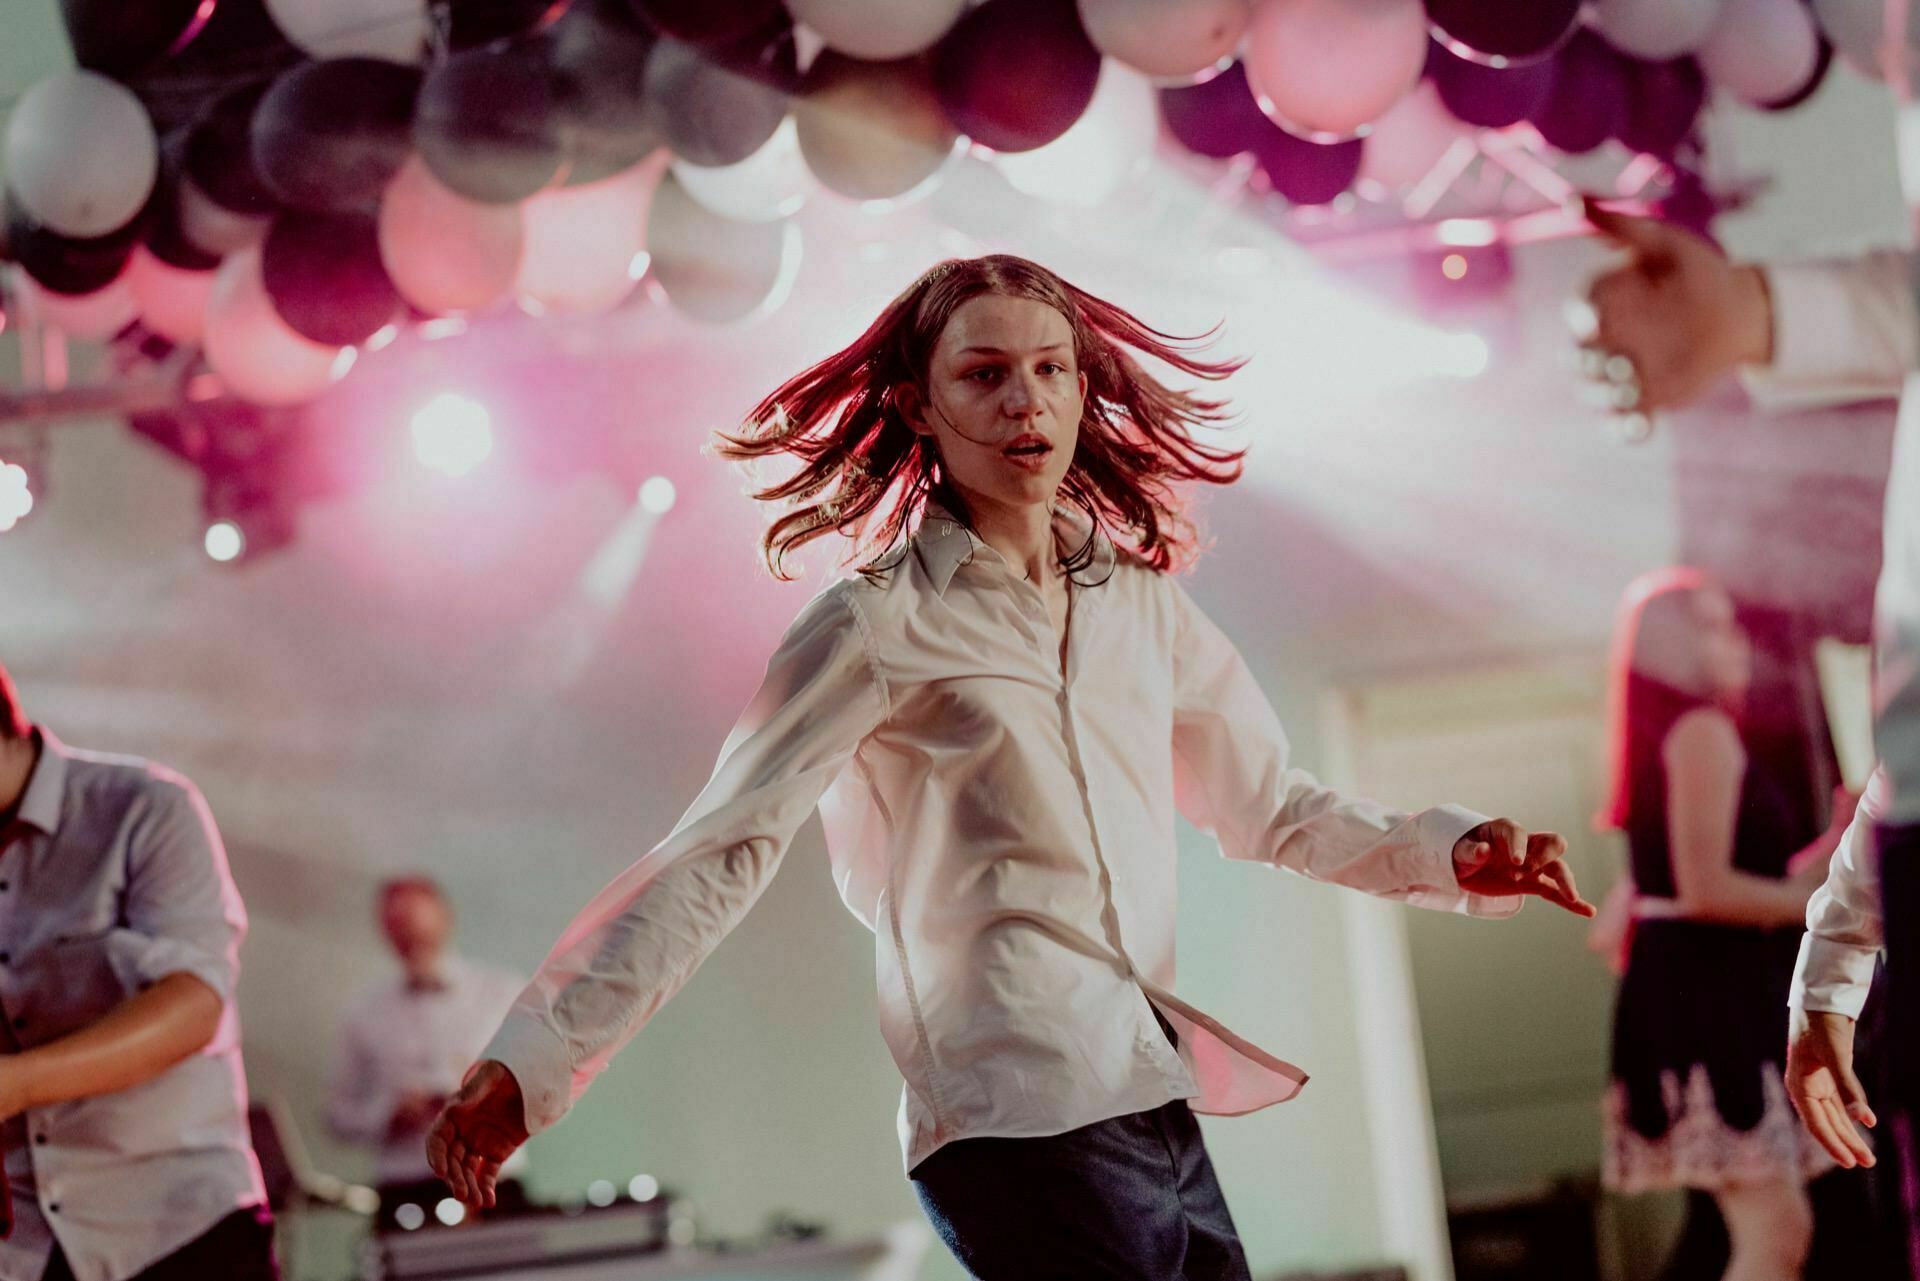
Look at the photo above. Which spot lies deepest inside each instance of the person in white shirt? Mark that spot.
(998, 717)
(407, 1039)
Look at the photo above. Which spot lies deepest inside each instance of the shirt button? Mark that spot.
(53, 1207)
(5, 886)
(20, 1022)
(6, 958)
(40, 1139)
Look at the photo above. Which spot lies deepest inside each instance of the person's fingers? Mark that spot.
(1556, 883)
(1819, 1122)
(1516, 844)
(1849, 1137)
(1639, 235)
(1544, 848)
(1853, 1095)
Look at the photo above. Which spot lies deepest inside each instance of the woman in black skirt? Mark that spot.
(1720, 895)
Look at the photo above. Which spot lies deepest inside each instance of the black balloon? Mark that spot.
(120, 39)
(478, 22)
(485, 123)
(1588, 104)
(63, 264)
(710, 22)
(220, 155)
(1517, 30)
(1822, 64)
(240, 45)
(330, 135)
(1015, 74)
(324, 275)
(597, 52)
(1490, 97)
(711, 114)
(166, 238)
(1307, 173)
(1218, 118)
(1664, 101)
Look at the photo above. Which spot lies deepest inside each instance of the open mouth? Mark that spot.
(1028, 448)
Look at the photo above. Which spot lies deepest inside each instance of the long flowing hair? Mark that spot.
(1656, 675)
(866, 474)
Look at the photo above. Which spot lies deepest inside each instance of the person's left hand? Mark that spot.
(1500, 858)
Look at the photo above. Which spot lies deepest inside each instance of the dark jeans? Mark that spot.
(1131, 1197)
(238, 1248)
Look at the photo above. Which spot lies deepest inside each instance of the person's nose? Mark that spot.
(1021, 400)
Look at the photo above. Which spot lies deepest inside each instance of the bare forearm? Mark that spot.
(137, 1040)
(1741, 898)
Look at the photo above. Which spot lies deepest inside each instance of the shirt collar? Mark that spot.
(944, 544)
(46, 790)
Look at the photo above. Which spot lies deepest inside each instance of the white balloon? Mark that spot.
(1858, 29)
(172, 300)
(212, 228)
(1332, 67)
(1166, 37)
(878, 30)
(256, 355)
(392, 29)
(1761, 51)
(1409, 140)
(715, 269)
(443, 251)
(1655, 29)
(771, 183)
(1109, 144)
(81, 155)
(586, 245)
(98, 315)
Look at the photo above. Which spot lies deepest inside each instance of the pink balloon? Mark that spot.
(443, 251)
(1166, 37)
(1331, 67)
(1655, 29)
(172, 300)
(100, 314)
(586, 245)
(1409, 140)
(1761, 50)
(256, 355)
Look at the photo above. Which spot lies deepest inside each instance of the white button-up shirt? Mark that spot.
(1006, 830)
(112, 878)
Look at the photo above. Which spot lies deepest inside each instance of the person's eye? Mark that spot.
(984, 374)
(1053, 367)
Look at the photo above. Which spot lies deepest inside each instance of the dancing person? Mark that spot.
(407, 1039)
(1696, 1100)
(123, 1102)
(998, 716)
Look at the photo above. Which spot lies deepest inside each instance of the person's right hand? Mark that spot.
(1677, 312)
(1824, 1090)
(481, 1127)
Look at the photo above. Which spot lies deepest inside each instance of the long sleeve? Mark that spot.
(1844, 331)
(1233, 778)
(359, 1102)
(643, 936)
(1843, 936)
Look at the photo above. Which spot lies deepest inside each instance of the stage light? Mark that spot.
(1454, 266)
(1469, 232)
(410, 1217)
(600, 1193)
(1461, 355)
(452, 434)
(657, 496)
(225, 541)
(643, 1187)
(450, 1212)
(16, 495)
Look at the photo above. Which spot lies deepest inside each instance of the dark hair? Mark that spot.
(13, 717)
(867, 474)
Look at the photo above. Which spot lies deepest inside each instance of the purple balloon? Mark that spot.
(1491, 97)
(1588, 104)
(1015, 74)
(1517, 30)
(1218, 117)
(1664, 101)
(1689, 204)
(1307, 173)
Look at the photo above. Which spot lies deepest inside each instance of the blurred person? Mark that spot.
(123, 1101)
(407, 1039)
(998, 716)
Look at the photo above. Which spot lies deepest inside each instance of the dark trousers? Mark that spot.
(1131, 1197)
(238, 1248)
(1898, 847)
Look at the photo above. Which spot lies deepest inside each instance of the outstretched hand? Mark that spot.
(1500, 858)
(1824, 1090)
(480, 1127)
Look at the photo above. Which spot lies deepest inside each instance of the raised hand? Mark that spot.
(1501, 859)
(480, 1127)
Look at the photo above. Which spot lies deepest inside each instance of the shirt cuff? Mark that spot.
(141, 960)
(1817, 347)
(1439, 830)
(1832, 977)
(540, 1062)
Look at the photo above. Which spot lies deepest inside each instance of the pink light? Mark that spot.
(1454, 266)
(1466, 232)
(451, 434)
(16, 498)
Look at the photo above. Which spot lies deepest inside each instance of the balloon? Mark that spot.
(1761, 50)
(485, 125)
(1166, 37)
(1858, 29)
(120, 40)
(62, 264)
(250, 347)
(442, 251)
(1308, 173)
(80, 154)
(597, 58)
(1655, 29)
(219, 154)
(711, 114)
(172, 301)
(586, 245)
(1216, 117)
(714, 269)
(710, 22)
(1332, 67)
(212, 228)
(1588, 102)
(1663, 103)
(331, 135)
(1015, 74)
(1491, 97)
(878, 30)
(1409, 140)
(239, 46)
(481, 22)
(1502, 31)
(1822, 63)
(1085, 165)
(871, 130)
(323, 273)
(392, 29)
(97, 315)
(771, 183)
